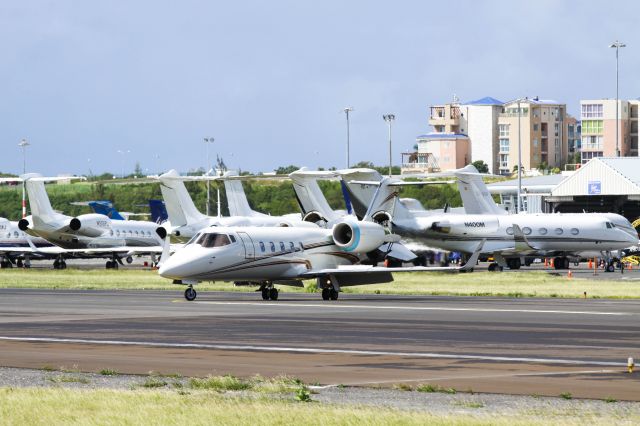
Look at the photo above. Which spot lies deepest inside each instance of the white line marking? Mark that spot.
(313, 350)
(414, 308)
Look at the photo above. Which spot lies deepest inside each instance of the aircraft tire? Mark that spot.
(265, 294)
(190, 294)
(129, 260)
(326, 295)
(610, 268)
(333, 294)
(273, 294)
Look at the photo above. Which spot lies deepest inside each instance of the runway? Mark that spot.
(520, 346)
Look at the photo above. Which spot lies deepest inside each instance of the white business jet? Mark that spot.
(286, 255)
(508, 237)
(93, 235)
(16, 247)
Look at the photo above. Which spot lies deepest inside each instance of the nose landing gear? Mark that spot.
(190, 294)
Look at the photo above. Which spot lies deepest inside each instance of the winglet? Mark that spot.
(473, 260)
(521, 242)
(166, 245)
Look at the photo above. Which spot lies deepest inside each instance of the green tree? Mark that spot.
(481, 166)
(286, 170)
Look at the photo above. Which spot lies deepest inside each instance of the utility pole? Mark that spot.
(389, 118)
(24, 144)
(617, 45)
(208, 141)
(347, 110)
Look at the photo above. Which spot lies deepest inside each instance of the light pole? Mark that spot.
(518, 201)
(617, 45)
(24, 144)
(208, 141)
(347, 110)
(122, 152)
(389, 118)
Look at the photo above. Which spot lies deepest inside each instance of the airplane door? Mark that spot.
(249, 250)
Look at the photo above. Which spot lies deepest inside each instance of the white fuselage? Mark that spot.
(548, 233)
(101, 233)
(255, 254)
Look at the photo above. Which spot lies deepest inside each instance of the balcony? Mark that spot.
(418, 163)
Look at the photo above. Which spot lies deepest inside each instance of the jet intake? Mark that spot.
(90, 225)
(361, 237)
(23, 224)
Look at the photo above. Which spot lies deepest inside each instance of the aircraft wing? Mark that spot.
(373, 270)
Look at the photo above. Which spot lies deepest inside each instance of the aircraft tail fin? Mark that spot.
(475, 195)
(38, 198)
(106, 208)
(180, 208)
(158, 211)
(310, 196)
(236, 198)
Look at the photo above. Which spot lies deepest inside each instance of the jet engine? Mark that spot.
(23, 224)
(90, 225)
(361, 237)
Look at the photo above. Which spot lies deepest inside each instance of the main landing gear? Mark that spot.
(269, 292)
(111, 264)
(329, 292)
(494, 267)
(190, 294)
(561, 262)
(59, 263)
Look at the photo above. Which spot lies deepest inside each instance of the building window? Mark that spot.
(504, 161)
(504, 145)
(592, 126)
(504, 130)
(592, 143)
(588, 155)
(591, 110)
(535, 142)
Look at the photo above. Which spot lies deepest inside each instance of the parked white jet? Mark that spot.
(92, 234)
(285, 255)
(508, 237)
(186, 220)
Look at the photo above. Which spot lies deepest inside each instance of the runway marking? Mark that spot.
(415, 308)
(314, 351)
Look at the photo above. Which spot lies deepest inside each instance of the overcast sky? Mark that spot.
(269, 79)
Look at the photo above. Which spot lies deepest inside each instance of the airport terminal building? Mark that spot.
(604, 184)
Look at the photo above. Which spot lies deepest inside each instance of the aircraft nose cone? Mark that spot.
(171, 268)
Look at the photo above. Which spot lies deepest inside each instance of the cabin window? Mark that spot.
(575, 231)
(510, 230)
(136, 233)
(282, 246)
(261, 246)
(526, 230)
(273, 247)
(15, 234)
(111, 232)
(215, 240)
(559, 231)
(301, 246)
(117, 232)
(292, 246)
(542, 231)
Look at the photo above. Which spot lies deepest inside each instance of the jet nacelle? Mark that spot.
(362, 237)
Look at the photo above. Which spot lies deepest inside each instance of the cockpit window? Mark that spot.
(215, 240)
(193, 239)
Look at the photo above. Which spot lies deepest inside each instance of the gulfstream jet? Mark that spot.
(508, 237)
(16, 247)
(186, 220)
(87, 233)
(286, 255)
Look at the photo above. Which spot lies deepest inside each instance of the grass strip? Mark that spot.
(512, 284)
